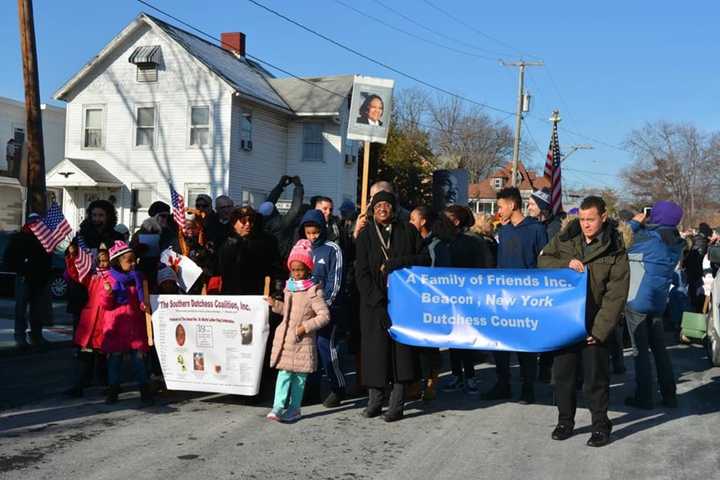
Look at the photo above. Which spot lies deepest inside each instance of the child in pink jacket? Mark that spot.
(294, 352)
(125, 328)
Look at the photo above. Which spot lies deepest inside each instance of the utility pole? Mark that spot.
(36, 199)
(518, 114)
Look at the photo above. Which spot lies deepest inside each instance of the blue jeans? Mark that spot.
(115, 367)
(647, 333)
(289, 383)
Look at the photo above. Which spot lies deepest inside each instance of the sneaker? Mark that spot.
(333, 400)
(499, 391)
(454, 384)
(527, 396)
(291, 415)
(471, 387)
(274, 415)
(598, 439)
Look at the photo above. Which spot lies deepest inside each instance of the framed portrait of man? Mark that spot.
(370, 109)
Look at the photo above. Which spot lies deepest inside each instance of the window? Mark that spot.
(145, 127)
(93, 127)
(147, 73)
(146, 58)
(193, 191)
(312, 142)
(497, 183)
(199, 126)
(246, 130)
(142, 197)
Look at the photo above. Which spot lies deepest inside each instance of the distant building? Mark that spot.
(483, 195)
(160, 105)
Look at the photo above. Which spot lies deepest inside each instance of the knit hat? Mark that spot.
(266, 209)
(118, 249)
(158, 207)
(382, 196)
(347, 208)
(166, 274)
(542, 198)
(666, 213)
(302, 252)
(121, 229)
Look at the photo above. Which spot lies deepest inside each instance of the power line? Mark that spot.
(614, 175)
(477, 31)
(410, 34)
(377, 62)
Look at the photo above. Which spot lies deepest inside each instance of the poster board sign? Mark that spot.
(211, 343)
(370, 109)
(450, 187)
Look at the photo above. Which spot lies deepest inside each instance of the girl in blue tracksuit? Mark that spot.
(327, 272)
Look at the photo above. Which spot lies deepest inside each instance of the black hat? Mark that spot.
(382, 196)
(158, 207)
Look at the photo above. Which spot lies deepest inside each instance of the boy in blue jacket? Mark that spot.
(656, 250)
(327, 272)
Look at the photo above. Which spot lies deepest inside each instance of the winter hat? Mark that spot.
(122, 229)
(266, 209)
(705, 230)
(666, 213)
(302, 252)
(158, 207)
(625, 215)
(118, 249)
(347, 208)
(166, 274)
(382, 196)
(542, 198)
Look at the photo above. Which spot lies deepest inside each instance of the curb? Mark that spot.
(50, 346)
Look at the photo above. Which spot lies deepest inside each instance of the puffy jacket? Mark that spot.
(655, 252)
(327, 257)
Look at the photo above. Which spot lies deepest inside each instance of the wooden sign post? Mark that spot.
(148, 313)
(365, 177)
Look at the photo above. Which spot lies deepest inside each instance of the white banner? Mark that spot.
(211, 343)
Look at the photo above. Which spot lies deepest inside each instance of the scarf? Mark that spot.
(299, 285)
(122, 281)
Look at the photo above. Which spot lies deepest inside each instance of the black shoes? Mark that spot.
(670, 402)
(636, 402)
(500, 391)
(598, 439)
(393, 415)
(372, 411)
(333, 400)
(112, 394)
(562, 432)
(527, 396)
(147, 396)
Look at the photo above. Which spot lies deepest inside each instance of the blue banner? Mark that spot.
(500, 309)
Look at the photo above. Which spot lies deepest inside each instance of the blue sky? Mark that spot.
(611, 66)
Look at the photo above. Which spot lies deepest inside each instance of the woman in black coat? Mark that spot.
(385, 244)
(248, 256)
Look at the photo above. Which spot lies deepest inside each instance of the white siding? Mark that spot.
(182, 82)
(258, 170)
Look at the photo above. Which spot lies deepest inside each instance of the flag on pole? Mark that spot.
(83, 260)
(178, 208)
(553, 172)
(52, 229)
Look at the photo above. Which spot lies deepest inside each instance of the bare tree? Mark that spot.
(673, 161)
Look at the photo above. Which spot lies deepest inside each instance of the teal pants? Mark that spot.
(289, 383)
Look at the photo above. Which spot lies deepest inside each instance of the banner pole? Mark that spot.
(148, 313)
(365, 177)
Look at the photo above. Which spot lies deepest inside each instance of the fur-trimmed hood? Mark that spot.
(571, 228)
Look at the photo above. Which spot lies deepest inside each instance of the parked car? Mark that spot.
(58, 285)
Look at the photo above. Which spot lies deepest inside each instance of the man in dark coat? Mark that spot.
(593, 244)
(384, 245)
(283, 227)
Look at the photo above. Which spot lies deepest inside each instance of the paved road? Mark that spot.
(191, 436)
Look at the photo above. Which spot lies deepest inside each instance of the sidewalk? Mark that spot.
(58, 335)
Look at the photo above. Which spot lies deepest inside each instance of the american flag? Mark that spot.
(83, 260)
(52, 229)
(553, 172)
(178, 207)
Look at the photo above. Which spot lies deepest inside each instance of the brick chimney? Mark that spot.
(233, 42)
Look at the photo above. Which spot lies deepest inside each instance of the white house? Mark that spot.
(159, 105)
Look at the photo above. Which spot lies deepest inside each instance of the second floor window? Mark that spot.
(93, 128)
(145, 129)
(199, 126)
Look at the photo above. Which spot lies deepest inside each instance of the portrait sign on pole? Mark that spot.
(370, 109)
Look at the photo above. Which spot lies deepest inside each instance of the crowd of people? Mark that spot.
(329, 282)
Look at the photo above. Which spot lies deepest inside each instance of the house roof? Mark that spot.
(314, 96)
(248, 78)
(76, 172)
(485, 189)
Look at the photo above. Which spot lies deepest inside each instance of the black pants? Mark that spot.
(596, 388)
(462, 362)
(430, 361)
(528, 367)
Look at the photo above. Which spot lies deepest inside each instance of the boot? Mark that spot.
(396, 404)
(413, 391)
(112, 394)
(376, 396)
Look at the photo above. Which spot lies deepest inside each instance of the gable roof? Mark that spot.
(75, 172)
(314, 96)
(486, 189)
(248, 78)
